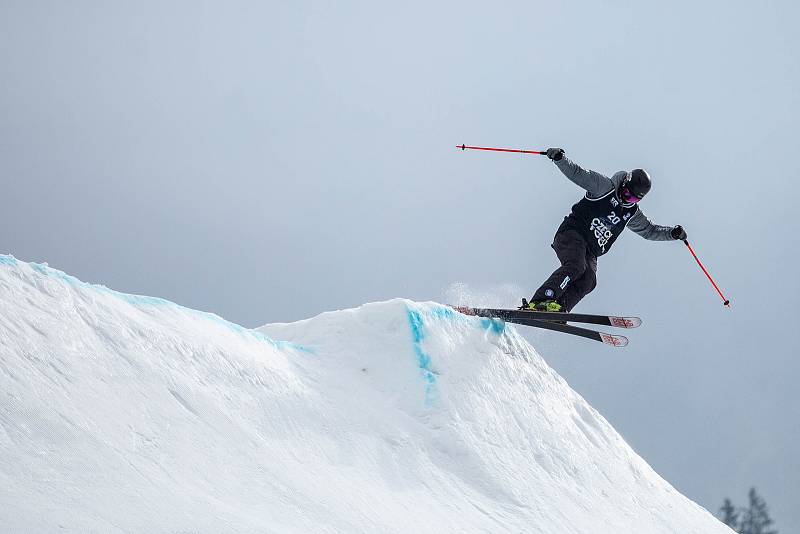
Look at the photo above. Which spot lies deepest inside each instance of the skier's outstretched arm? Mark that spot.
(593, 182)
(640, 224)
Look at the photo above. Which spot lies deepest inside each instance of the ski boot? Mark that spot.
(541, 305)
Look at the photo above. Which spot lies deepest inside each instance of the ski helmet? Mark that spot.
(638, 183)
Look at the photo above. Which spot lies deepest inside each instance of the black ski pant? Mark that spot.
(576, 277)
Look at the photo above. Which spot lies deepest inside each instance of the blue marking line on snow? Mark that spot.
(249, 332)
(445, 312)
(145, 301)
(496, 326)
(423, 359)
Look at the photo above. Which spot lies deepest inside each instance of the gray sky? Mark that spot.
(271, 160)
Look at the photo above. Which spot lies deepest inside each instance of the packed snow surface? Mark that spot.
(121, 413)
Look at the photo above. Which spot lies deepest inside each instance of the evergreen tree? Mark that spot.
(755, 518)
(729, 515)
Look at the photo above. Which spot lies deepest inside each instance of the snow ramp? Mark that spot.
(122, 413)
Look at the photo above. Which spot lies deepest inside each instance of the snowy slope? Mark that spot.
(121, 413)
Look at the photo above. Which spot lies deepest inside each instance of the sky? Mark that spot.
(267, 161)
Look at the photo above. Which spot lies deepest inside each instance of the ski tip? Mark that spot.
(614, 341)
(625, 322)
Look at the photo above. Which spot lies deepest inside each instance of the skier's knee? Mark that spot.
(591, 283)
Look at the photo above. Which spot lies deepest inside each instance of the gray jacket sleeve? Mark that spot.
(593, 182)
(640, 224)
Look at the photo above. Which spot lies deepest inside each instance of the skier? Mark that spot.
(591, 228)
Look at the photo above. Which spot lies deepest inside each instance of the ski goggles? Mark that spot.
(628, 197)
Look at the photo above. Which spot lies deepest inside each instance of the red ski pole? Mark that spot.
(465, 147)
(725, 301)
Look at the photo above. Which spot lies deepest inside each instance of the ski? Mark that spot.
(531, 318)
(514, 315)
(609, 339)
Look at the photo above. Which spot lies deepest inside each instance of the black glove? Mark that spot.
(678, 233)
(555, 153)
